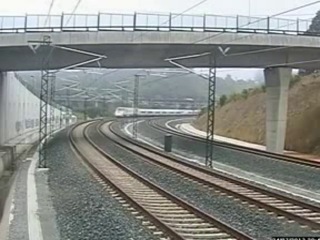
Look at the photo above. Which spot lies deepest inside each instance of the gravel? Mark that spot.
(257, 224)
(46, 212)
(19, 225)
(84, 210)
(298, 175)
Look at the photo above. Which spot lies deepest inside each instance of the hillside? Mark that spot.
(244, 118)
(174, 86)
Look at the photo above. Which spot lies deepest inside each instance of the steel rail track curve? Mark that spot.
(175, 217)
(281, 157)
(293, 209)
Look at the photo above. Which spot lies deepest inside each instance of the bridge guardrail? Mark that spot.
(151, 22)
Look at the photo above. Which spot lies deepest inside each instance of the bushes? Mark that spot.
(223, 100)
(203, 111)
(240, 96)
(245, 93)
(294, 80)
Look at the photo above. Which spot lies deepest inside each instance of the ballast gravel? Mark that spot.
(255, 223)
(84, 209)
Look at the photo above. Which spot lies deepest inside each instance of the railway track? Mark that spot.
(176, 218)
(274, 203)
(281, 157)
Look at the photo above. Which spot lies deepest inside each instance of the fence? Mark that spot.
(151, 22)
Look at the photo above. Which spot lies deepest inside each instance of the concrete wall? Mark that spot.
(19, 118)
(19, 109)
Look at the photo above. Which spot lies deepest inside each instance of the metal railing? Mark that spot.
(151, 22)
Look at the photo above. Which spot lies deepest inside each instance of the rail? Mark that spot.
(294, 209)
(127, 183)
(153, 22)
(280, 157)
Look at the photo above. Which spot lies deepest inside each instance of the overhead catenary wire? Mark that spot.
(262, 50)
(73, 11)
(262, 19)
(49, 11)
(177, 15)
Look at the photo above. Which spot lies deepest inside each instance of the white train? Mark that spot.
(128, 112)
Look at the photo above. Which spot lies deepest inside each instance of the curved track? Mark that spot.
(303, 161)
(176, 218)
(282, 206)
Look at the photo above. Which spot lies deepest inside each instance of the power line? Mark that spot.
(49, 11)
(287, 15)
(73, 11)
(177, 15)
(258, 20)
(187, 10)
(262, 50)
(192, 7)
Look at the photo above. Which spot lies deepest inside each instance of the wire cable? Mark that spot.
(73, 11)
(49, 11)
(177, 15)
(264, 50)
(258, 20)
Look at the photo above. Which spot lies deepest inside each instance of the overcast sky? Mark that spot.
(228, 7)
(225, 7)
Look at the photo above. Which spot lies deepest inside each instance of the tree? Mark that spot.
(223, 100)
(314, 29)
(315, 24)
(245, 93)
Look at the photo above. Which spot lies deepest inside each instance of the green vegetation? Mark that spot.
(175, 86)
(223, 100)
(294, 80)
(315, 24)
(203, 111)
(243, 95)
(251, 91)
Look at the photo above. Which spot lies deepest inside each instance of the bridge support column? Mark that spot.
(2, 109)
(277, 85)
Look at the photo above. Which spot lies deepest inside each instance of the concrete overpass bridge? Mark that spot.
(146, 40)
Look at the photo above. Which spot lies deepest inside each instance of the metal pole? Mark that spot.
(85, 109)
(46, 78)
(68, 107)
(104, 112)
(135, 107)
(61, 117)
(51, 102)
(211, 111)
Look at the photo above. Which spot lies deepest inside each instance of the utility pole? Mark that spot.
(104, 112)
(135, 106)
(211, 111)
(47, 80)
(51, 102)
(85, 115)
(68, 107)
(47, 77)
(211, 95)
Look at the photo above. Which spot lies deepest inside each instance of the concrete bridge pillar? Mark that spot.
(277, 85)
(2, 109)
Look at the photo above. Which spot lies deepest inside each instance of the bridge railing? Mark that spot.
(151, 22)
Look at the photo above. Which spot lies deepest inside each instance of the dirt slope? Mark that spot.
(244, 119)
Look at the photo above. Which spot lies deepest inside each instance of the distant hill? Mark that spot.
(175, 86)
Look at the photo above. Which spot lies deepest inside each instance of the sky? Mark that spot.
(225, 7)
(218, 7)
